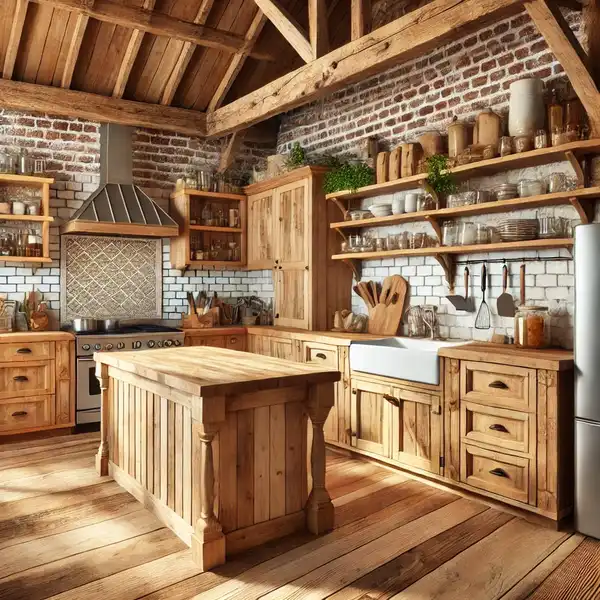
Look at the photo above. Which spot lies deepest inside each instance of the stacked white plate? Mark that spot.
(381, 210)
(518, 230)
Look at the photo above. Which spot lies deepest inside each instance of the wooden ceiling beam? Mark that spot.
(361, 16)
(569, 53)
(237, 61)
(131, 52)
(402, 39)
(117, 13)
(318, 27)
(591, 27)
(185, 56)
(31, 97)
(14, 39)
(288, 27)
(231, 147)
(74, 47)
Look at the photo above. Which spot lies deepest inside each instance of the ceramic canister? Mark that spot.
(526, 107)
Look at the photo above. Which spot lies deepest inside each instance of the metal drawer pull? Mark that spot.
(498, 427)
(21, 378)
(233, 340)
(392, 400)
(321, 355)
(498, 385)
(499, 472)
(20, 413)
(24, 351)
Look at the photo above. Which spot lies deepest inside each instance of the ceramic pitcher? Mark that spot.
(526, 107)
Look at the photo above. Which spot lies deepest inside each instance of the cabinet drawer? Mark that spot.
(27, 379)
(498, 385)
(321, 354)
(216, 341)
(498, 473)
(506, 429)
(236, 342)
(26, 352)
(26, 413)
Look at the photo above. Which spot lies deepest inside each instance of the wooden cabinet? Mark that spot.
(37, 381)
(289, 233)
(234, 339)
(285, 348)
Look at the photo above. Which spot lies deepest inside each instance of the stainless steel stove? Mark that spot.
(126, 338)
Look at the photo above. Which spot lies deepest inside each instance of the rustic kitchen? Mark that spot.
(299, 299)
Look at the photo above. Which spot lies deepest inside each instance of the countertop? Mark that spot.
(552, 359)
(206, 371)
(211, 331)
(20, 337)
(339, 338)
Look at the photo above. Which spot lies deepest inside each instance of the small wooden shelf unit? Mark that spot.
(44, 219)
(186, 203)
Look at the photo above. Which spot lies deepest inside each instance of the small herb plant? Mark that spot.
(438, 177)
(348, 176)
(297, 157)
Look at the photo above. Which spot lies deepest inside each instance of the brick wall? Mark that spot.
(460, 78)
(71, 148)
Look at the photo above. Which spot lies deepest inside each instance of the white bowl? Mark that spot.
(381, 210)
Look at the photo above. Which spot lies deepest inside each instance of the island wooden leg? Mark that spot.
(208, 541)
(102, 456)
(319, 508)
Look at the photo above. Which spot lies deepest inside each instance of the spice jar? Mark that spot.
(532, 327)
(523, 144)
(505, 145)
(541, 139)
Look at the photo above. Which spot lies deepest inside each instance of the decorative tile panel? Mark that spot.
(110, 277)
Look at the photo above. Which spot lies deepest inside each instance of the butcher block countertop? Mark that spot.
(21, 337)
(206, 371)
(338, 338)
(551, 359)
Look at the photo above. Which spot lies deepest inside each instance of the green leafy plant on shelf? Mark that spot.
(348, 176)
(296, 158)
(438, 177)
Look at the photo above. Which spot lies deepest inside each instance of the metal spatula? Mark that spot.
(483, 315)
(505, 302)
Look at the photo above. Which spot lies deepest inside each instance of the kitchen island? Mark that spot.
(215, 442)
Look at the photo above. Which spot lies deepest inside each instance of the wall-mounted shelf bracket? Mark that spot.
(447, 263)
(436, 227)
(356, 267)
(584, 210)
(429, 190)
(341, 207)
(579, 174)
(342, 234)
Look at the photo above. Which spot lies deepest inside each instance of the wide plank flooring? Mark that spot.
(68, 534)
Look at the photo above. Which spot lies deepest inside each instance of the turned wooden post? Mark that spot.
(102, 456)
(319, 509)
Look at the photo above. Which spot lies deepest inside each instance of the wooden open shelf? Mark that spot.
(216, 229)
(30, 218)
(473, 249)
(579, 195)
(205, 194)
(25, 179)
(26, 259)
(484, 167)
(214, 264)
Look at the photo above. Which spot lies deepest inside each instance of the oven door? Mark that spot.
(88, 387)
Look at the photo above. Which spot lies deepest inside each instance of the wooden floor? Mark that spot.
(67, 533)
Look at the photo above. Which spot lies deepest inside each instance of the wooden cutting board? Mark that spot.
(395, 162)
(385, 317)
(383, 164)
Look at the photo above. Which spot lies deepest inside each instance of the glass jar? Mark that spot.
(557, 182)
(482, 233)
(505, 145)
(523, 143)
(467, 235)
(541, 139)
(532, 327)
(450, 234)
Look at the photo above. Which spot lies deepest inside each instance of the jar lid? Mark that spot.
(532, 307)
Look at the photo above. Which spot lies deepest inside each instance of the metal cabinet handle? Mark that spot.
(19, 413)
(21, 378)
(498, 427)
(391, 399)
(354, 391)
(498, 385)
(277, 315)
(499, 472)
(321, 356)
(233, 340)
(24, 351)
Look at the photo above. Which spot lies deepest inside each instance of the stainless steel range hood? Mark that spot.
(118, 207)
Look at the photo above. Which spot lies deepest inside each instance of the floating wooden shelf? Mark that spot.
(30, 218)
(580, 195)
(474, 249)
(25, 179)
(214, 264)
(26, 259)
(483, 167)
(216, 229)
(205, 194)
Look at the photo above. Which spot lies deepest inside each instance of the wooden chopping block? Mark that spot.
(383, 162)
(385, 317)
(395, 162)
(411, 155)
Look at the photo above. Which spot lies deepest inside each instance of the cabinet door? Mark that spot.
(261, 247)
(236, 342)
(292, 256)
(283, 348)
(371, 416)
(416, 429)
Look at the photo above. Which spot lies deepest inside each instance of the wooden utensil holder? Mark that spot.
(193, 321)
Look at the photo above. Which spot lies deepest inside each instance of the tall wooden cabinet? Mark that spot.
(288, 232)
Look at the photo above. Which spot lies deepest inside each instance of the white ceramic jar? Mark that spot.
(526, 107)
(397, 204)
(410, 202)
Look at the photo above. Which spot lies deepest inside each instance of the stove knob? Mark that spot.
(169, 343)
(85, 347)
(137, 345)
(159, 344)
(151, 344)
(177, 343)
(120, 345)
(97, 347)
(109, 346)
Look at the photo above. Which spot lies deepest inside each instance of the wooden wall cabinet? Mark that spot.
(37, 382)
(289, 233)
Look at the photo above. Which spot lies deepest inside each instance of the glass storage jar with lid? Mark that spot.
(532, 327)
